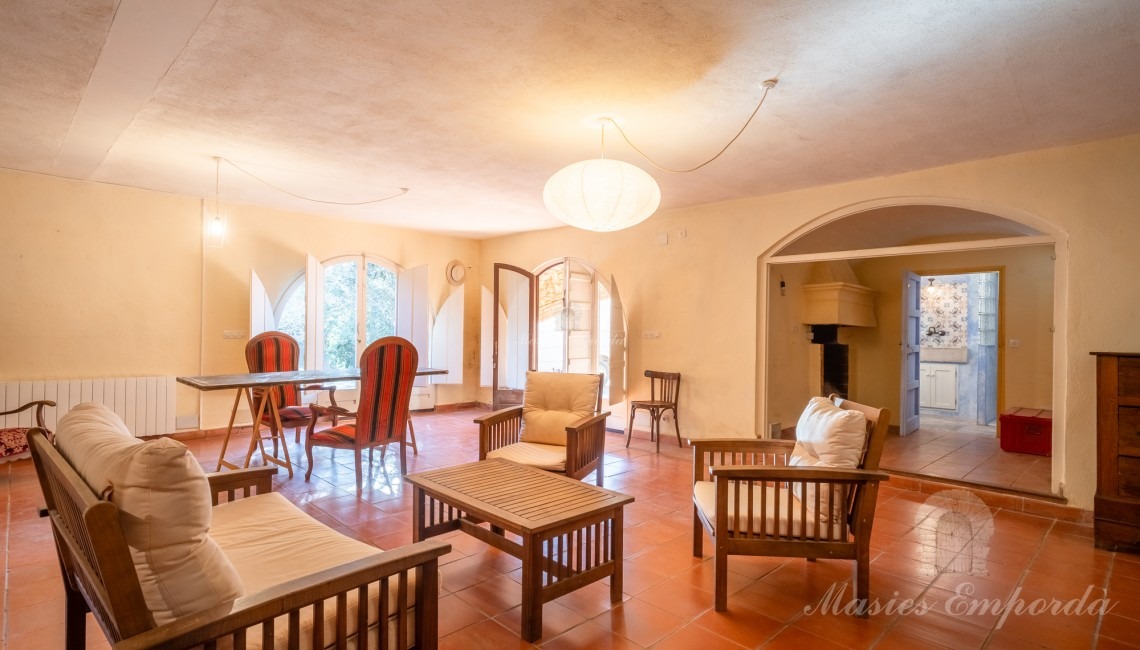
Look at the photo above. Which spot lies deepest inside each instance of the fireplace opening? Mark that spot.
(834, 371)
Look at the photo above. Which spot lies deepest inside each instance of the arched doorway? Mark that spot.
(875, 243)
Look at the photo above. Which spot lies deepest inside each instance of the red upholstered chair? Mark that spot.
(14, 440)
(387, 371)
(276, 352)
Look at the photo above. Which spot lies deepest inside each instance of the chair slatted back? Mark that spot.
(663, 386)
(387, 372)
(275, 352)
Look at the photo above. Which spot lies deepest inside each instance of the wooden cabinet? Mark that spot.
(1117, 505)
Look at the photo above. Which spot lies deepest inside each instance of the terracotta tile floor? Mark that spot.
(918, 550)
(956, 448)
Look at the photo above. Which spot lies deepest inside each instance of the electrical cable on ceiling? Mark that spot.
(768, 85)
(403, 190)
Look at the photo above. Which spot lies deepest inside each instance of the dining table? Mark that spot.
(264, 384)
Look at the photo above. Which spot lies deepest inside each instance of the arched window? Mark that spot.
(357, 303)
(358, 306)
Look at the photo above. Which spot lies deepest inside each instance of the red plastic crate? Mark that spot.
(1027, 431)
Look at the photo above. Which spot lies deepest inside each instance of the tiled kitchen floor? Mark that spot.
(955, 448)
(917, 548)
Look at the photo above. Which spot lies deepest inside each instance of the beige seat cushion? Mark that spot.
(827, 437)
(548, 457)
(769, 519)
(271, 541)
(163, 499)
(553, 401)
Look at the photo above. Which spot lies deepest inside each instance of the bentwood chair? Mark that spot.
(277, 352)
(14, 440)
(387, 372)
(663, 389)
(812, 498)
(559, 428)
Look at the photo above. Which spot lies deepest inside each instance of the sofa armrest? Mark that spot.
(585, 443)
(287, 599)
(244, 482)
(499, 429)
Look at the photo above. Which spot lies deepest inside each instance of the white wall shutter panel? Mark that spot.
(617, 345)
(413, 313)
(314, 315)
(486, 335)
(260, 309)
(447, 340)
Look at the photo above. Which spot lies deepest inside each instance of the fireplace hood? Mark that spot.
(833, 296)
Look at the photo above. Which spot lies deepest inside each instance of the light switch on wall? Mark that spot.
(651, 334)
(233, 334)
(1015, 343)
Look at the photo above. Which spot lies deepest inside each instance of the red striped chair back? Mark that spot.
(387, 372)
(275, 352)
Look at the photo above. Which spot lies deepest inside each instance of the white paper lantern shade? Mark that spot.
(602, 195)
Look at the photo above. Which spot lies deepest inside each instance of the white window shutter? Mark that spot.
(413, 312)
(314, 315)
(260, 308)
(486, 335)
(447, 340)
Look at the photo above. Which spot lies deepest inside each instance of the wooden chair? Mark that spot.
(278, 352)
(14, 440)
(750, 507)
(387, 371)
(573, 440)
(663, 389)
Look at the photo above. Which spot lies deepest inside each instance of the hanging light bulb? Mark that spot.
(601, 194)
(214, 219)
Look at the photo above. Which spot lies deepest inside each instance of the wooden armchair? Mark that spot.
(559, 428)
(303, 590)
(752, 499)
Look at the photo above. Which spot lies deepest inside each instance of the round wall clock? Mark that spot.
(456, 273)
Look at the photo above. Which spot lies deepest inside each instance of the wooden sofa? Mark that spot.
(278, 610)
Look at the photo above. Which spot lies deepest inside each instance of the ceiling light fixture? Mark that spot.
(215, 220)
(604, 195)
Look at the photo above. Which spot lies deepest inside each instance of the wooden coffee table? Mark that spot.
(571, 531)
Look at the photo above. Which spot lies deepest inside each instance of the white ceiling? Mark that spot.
(473, 105)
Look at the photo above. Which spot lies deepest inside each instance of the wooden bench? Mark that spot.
(100, 578)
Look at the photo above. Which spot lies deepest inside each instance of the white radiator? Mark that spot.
(146, 404)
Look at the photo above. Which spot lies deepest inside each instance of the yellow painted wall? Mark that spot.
(106, 281)
(275, 243)
(87, 245)
(98, 281)
(701, 291)
(1027, 315)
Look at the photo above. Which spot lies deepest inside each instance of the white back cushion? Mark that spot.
(164, 509)
(553, 401)
(827, 436)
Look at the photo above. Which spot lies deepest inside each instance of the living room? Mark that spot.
(112, 278)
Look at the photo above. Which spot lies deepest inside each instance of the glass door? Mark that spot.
(514, 349)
